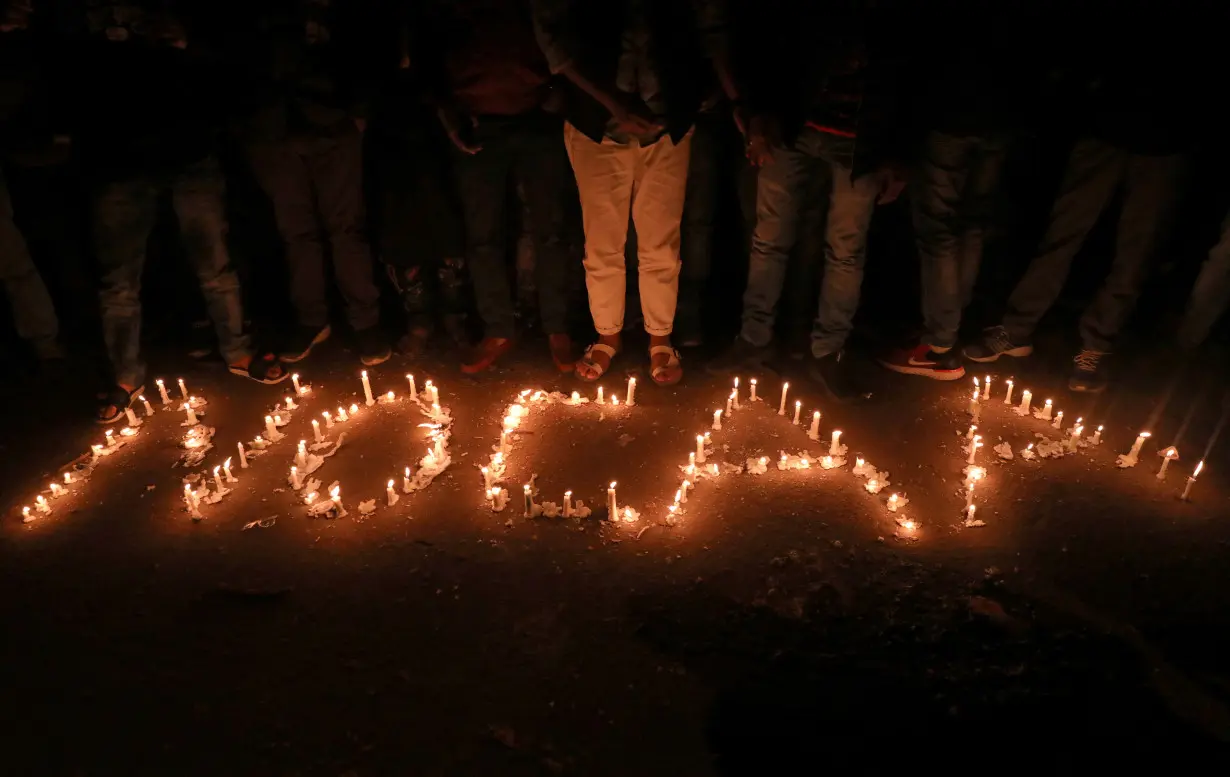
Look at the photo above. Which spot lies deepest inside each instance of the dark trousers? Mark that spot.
(1096, 170)
(700, 206)
(316, 185)
(532, 149)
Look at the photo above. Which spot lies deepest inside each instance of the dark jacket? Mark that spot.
(684, 35)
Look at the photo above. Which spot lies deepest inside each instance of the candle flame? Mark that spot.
(678, 495)
(390, 485)
(216, 471)
(753, 380)
(226, 464)
(408, 471)
(976, 381)
(567, 494)
(159, 381)
(798, 403)
(390, 395)
(354, 409)
(335, 492)
(736, 383)
(908, 525)
(612, 484)
(1048, 401)
(764, 460)
(1145, 434)
(364, 373)
(1199, 467)
(1171, 452)
(526, 488)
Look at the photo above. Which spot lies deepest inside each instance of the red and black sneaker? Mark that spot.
(926, 361)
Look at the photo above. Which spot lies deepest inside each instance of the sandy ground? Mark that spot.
(784, 623)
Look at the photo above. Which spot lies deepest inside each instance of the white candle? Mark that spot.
(1171, 453)
(295, 380)
(1008, 396)
(782, 409)
(974, 445)
(367, 389)
(835, 443)
(162, 392)
(969, 513)
(1140, 441)
(730, 403)
(335, 496)
(183, 390)
(576, 397)
(301, 455)
(1026, 395)
(342, 415)
(149, 409)
(390, 495)
(218, 479)
(1075, 439)
(615, 401)
(354, 409)
(986, 388)
(435, 393)
(191, 414)
(976, 388)
(68, 477)
(1046, 411)
(612, 507)
(717, 420)
(601, 400)
(753, 394)
(970, 434)
(132, 417)
(390, 397)
(892, 503)
(631, 392)
(1058, 422)
(691, 459)
(504, 439)
(973, 402)
(440, 448)
(814, 431)
(567, 504)
(683, 489)
(316, 431)
(969, 493)
(700, 449)
(243, 457)
(1187, 490)
(269, 428)
(798, 408)
(1097, 436)
(414, 394)
(226, 470)
(290, 404)
(529, 501)
(486, 477)
(405, 481)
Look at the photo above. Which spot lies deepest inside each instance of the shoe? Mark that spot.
(1088, 371)
(301, 341)
(832, 374)
(485, 354)
(995, 343)
(373, 345)
(926, 361)
(739, 356)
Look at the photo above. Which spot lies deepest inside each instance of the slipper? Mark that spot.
(266, 369)
(588, 361)
(111, 405)
(662, 374)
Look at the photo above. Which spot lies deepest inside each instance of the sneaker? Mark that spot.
(1088, 371)
(301, 341)
(373, 345)
(995, 343)
(833, 375)
(926, 361)
(739, 356)
(485, 354)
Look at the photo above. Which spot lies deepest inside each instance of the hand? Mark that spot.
(454, 124)
(632, 118)
(761, 135)
(893, 180)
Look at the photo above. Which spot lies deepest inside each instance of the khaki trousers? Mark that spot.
(651, 180)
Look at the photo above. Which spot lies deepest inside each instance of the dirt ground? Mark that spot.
(782, 625)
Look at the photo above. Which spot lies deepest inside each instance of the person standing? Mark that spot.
(491, 87)
(307, 151)
(636, 87)
(829, 112)
(1210, 296)
(151, 111)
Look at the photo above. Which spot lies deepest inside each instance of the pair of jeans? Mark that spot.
(1096, 170)
(613, 179)
(953, 197)
(705, 178)
(33, 313)
(316, 185)
(124, 214)
(527, 147)
(779, 197)
(1210, 295)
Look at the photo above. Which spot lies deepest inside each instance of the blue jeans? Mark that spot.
(779, 191)
(1210, 295)
(952, 198)
(124, 215)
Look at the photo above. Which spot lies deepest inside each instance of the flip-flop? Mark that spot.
(266, 369)
(663, 369)
(111, 405)
(588, 361)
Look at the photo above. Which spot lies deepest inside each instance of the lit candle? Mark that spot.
(973, 402)
(1170, 453)
(753, 394)
(1187, 490)
(612, 506)
(162, 392)
(290, 404)
(218, 479)
(683, 490)
(873, 485)
(439, 449)
(730, 403)
(827, 462)
(576, 397)
(631, 392)
(183, 390)
(970, 434)
(700, 449)
(1097, 436)
(1008, 396)
(814, 431)
(986, 388)
(367, 389)
(269, 428)
(974, 445)
(68, 477)
(892, 503)
(389, 397)
(1075, 439)
(798, 408)
(430, 460)
(226, 470)
(191, 413)
(969, 493)
(1058, 422)
(567, 504)
(390, 495)
(435, 409)
(615, 401)
(414, 394)
(1140, 441)
(782, 409)
(405, 480)
(601, 401)
(316, 431)
(976, 389)
(243, 457)
(110, 438)
(295, 380)
(435, 393)
(1026, 395)
(835, 443)
(342, 415)
(504, 439)
(529, 501)
(335, 496)
(717, 420)
(486, 477)
(149, 409)
(969, 513)
(301, 455)
(132, 417)
(1046, 411)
